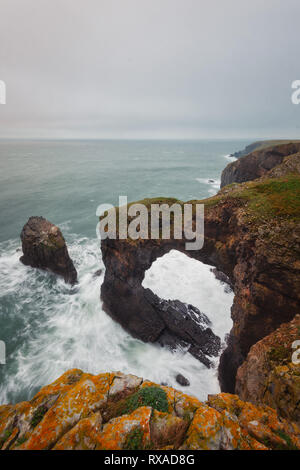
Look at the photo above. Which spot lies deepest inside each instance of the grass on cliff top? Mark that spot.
(272, 198)
(264, 144)
(152, 396)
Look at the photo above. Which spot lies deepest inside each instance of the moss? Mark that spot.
(38, 415)
(279, 355)
(6, 435)
(21, 441)
(147, 396)
(134, 440)
(287, 439)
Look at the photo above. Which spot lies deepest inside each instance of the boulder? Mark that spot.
(182, 380)
(44, 247)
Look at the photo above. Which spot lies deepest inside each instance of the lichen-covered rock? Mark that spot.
(83, 436)
(260, 423)
(268, 374)
(44, 247)
(75, 413)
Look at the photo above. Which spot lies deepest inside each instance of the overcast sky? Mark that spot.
(149, 68)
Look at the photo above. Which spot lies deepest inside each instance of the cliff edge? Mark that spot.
(113, 411)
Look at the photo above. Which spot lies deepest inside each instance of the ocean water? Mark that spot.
(49, 327)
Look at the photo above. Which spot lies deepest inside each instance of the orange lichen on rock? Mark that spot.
(75, 413)
(85, 396)
(117, 433)
(83, 436)
(260, 422)
(268, 374)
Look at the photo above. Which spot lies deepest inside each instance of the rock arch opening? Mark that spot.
(176, 276)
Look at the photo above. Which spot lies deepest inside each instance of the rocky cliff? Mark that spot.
(269, 375)
(44, 247)
(259, 145)
(252, 234)
(257, 163)
(114, 411)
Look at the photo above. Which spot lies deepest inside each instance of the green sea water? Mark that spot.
(49, 327)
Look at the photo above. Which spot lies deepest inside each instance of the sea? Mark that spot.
(49, 327)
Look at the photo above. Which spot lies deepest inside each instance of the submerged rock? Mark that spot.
(79, 412)
(44, 247)
(182, 380)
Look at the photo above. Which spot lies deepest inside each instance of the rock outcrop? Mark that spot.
(269, 375)
(257, 163)
(44, 247)
(252, 235)
(113, 411)
(258, 145)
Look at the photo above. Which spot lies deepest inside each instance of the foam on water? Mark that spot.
(230, 158)
(50, 327)
(213, 183)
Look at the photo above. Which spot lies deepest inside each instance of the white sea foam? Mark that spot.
(213, 183)
(230, 157)
(57, 327)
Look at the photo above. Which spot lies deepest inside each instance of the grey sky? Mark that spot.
(149, 68)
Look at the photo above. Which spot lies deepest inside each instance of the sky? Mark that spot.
(157, 69)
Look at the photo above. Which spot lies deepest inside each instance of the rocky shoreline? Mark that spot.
(252, 238)
(113, 411)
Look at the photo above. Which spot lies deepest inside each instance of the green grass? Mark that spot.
(21, 441)
(279, 355)
(272, 198)
(6, 435)
(38, 415)
(155, 397)
(148, 396)
(134, 440)
(289, 443)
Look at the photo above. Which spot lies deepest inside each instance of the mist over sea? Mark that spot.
(50, 327)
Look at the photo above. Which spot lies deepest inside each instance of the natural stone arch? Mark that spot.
(263, 300)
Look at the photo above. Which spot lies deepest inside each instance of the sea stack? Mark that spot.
(44, 247)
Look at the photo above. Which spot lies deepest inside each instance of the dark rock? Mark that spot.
(98, 273)
(182, 380)
(186, 326)
(222, 277)
(250, 148)
(44, 247)
(257, 164)
(211, 181)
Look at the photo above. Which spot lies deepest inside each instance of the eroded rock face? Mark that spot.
(268, 374)
(252, 235)
(44, 247)
(257, 163)
(79, 412)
